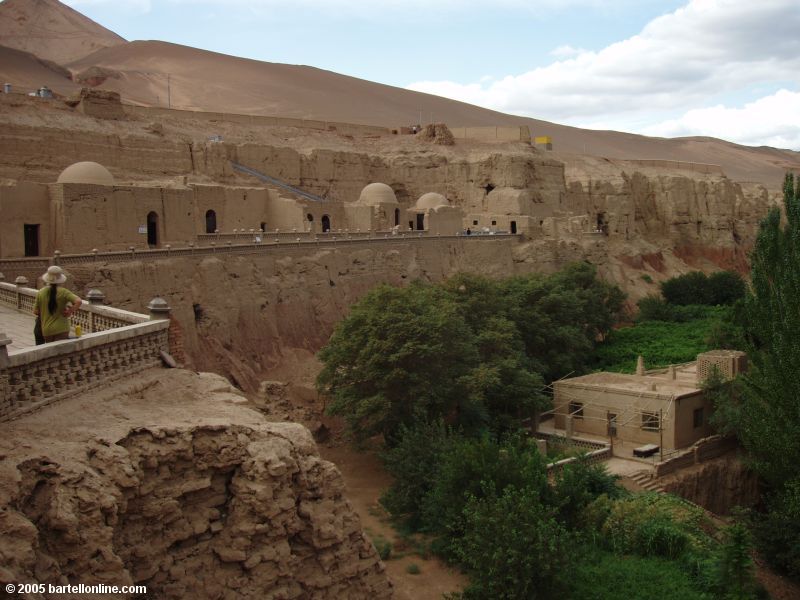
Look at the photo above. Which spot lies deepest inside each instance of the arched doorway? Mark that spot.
(397, 216)
(152, 229)
(513, 227)
(326, 223)
(211, 221)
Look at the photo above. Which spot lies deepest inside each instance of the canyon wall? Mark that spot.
(168, 481)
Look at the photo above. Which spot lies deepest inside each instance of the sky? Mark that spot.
(723, 68)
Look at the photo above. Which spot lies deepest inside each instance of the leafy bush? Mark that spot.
(513, 548)
(413, 569)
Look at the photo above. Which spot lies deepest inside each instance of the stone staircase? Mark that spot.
(648, 481)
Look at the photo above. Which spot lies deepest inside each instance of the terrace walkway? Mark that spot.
(18, 326)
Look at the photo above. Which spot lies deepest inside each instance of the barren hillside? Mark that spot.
(51, 30)
(157, 73)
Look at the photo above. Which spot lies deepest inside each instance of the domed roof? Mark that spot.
(86, 172)
(377, 193)
(431, 200)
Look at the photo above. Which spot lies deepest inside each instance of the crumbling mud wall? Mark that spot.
(174, 485)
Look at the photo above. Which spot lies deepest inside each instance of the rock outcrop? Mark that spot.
(171, 483)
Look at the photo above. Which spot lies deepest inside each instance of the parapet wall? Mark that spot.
(702, 451)
(117, 343)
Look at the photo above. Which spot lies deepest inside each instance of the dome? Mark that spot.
(432, 201)
(86, 172)
(377, 193)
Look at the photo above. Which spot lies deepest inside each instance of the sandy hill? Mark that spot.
(25, 72)
(51, 30)
(159, 74)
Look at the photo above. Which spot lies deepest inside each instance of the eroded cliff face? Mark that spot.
(168, 481)
(719, 485)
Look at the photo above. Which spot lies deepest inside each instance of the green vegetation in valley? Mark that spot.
(693, 314)
(474, 351)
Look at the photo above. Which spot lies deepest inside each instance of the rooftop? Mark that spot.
(657, 382)
(18, 326)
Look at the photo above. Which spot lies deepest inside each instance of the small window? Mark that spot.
(310, 217)
(475, 222)
(650, 421)
(494, 222)
(697, 417)
(576, 409)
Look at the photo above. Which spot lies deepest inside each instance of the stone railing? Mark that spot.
(92, 316)
(117, 343)
(247, 245)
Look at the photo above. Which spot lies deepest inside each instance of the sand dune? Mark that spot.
(51, 30)
(156, 73)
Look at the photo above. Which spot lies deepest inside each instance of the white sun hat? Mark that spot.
(55, 274)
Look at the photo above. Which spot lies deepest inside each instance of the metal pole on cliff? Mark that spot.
(661, 432)
(169, 92)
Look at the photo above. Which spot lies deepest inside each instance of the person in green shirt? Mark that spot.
(54, 305)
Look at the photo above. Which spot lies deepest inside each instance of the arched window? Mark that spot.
(310, 217)
(326, 223)
(263, 226)
(211, 221)
(152, 229)
(397, 216)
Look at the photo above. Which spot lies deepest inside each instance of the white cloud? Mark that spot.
(566, 51)
(678, 62)
(772, 121)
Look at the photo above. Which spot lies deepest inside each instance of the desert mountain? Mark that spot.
(156, 73)
(51, 30)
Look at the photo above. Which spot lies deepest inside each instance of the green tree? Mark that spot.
(478, 468)
(513, 548)
(690, 288)
(769, 418)
(726, 287)
(560, 317)
(400, 355)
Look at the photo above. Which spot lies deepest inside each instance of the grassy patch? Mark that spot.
(601, 575)
(662, 343)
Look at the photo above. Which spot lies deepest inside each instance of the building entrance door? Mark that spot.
(612, 425)
(31, 239)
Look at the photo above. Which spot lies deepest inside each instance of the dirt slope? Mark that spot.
(27, 73)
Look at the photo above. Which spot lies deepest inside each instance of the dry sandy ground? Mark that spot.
(366, 480)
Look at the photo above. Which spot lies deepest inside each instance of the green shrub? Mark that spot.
(647, 278)
(513, 548)
(413, 569)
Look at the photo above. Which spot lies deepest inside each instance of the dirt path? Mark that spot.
(366, 480)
